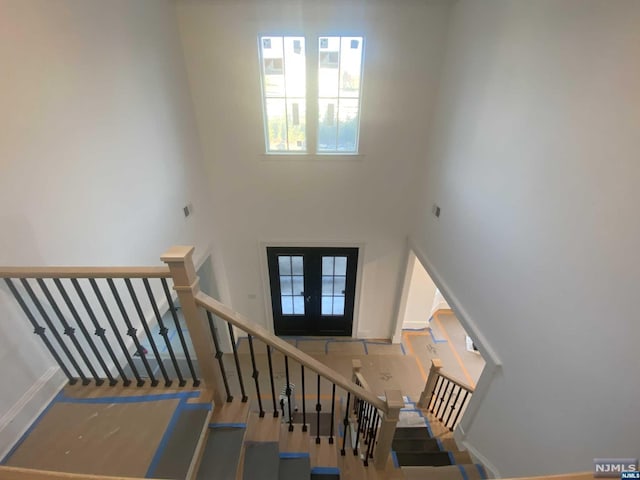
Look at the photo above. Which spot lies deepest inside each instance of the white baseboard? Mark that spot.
(17, 420)
(478, 457)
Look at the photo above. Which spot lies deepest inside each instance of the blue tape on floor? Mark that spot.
(463, 472)
(402, 348)
(131, 398)
(394, 457)
(428, 425)
(439, 443)
(435, 340)
(366, 350)
(325, 471)
(227, 425)
(483, 472)
(31, 427)
(165, 438)
(451, 459)
(294, 455)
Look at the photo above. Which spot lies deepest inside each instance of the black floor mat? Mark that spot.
(415, 445)
(221, 454)
(410, 459)
(294, 469)
(261, 460)
(411, 433)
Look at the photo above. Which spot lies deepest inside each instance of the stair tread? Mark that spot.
(296, 441)
(261, 460)
(423, 458)
(412, 433)
(415, 445)
(294, 468)
(221, 454)
(176, 457)
(231, 412)
(266, 429)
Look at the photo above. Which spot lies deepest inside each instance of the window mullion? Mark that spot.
(312, 93)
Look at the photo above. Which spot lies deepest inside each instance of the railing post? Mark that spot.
(356, 365)
(430, 385)
(186, 284)
(388, 428)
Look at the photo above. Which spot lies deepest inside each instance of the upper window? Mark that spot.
(327, 110)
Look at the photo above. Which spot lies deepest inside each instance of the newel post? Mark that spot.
(187, 286)
(430, 385)
(356, 366)
(388, 427)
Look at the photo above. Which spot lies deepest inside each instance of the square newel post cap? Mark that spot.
(177, 254)
(436, 364)
(356, 365)
(394, 399)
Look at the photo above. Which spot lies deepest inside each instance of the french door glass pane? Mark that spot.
(291, 274)
(334, 269)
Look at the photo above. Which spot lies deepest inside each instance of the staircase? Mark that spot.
(130, 338)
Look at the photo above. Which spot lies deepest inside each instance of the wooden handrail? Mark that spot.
(84, 272)
(16, 473)
(462, 385)
(237, 320)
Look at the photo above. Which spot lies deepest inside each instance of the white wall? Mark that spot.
(98, 155)
(353, 200)
(420, 296)
(534, 162)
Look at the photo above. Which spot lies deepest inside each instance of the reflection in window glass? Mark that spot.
(334, 271)
(283, 65)
(290, 271)
(339, 89)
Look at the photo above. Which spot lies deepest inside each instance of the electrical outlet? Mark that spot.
(436, 210)
(187, 209)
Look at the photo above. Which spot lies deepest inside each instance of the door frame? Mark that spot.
(266, 286)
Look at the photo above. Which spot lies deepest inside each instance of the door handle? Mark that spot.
(307, 298)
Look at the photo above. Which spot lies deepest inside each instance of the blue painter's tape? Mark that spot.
(325, 471)
(428, 425)
(439, 443)
(53, 401)
(394, 457)
(132, 398)
(483, 472)
(340, 431)
(435, 340)
(451, 459)
(402, 348)
(463, 473)
(414, 329)
(366, 350)
(165, 439)
(294, 454)
(227, 425)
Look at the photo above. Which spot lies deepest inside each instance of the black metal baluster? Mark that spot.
(346, 425)
(366, 423)
(358, 423)
(68, 330)
(85, 332)
(237, 360)
(366, 439)
(464, 399)
(436, 392)
(453, 406)
(374, 434)
(176, 321)
(288, 391)
(164, 332)
(273, 387)
(47, 320)
(100, 332)
(131, 332)
(333, 407)
(114, 328)
(255, 375)
(216, 344)
(38, 330)
(145, 326)
(304, 406)
(443, 402)
(318, 410)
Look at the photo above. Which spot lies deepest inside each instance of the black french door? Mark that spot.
(312, 290)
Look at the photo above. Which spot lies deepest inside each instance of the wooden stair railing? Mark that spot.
(179, 260)
(444, 396)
